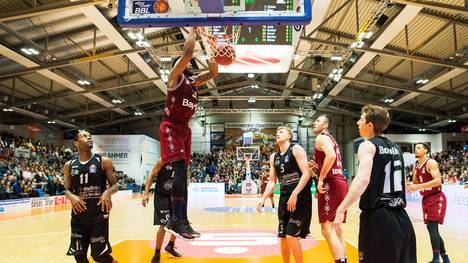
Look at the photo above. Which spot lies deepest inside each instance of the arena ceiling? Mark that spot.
(88, 72)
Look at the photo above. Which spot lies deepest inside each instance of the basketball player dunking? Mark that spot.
(86, 177)
(331, 187)
(386, 234)
(291, 167)
(175, 135)
(428, 181)
(162, 206)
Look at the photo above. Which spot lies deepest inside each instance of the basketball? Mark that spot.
(225, 55)
(161, 6)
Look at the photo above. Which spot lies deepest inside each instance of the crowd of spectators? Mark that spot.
(37, 173)
(453, 164)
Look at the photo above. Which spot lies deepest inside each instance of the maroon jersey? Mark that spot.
(423, 176)
(336, 171)
(181, 103)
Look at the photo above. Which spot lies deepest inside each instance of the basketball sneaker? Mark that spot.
(178, 229)
(156, 258)
(171, 250)
(191, 230)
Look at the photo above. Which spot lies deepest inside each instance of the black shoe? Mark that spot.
(191, 230)
(178, 229)
(171, 250)
(156, 258)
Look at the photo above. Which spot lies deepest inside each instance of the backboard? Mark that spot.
(182, 13)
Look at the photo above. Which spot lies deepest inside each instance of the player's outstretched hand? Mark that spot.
(260, 205)
(145, 199)
(105, 202)
(292, 202)
(78, 205)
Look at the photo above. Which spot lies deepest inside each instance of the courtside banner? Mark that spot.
(457, 196)
(206, 188)
(253, 125)
(42, 202)
(14, 204)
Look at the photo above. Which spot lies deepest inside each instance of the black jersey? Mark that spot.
(88, 182)
(164, 180)
(288, 171)
(387, 182)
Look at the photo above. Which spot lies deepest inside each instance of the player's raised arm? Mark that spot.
(205, 76)
(180, 66)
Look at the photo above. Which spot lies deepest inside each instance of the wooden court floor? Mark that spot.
(232, 232)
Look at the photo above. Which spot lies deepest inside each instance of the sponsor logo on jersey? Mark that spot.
(385, 150)
(286, 159)
(92, 168)
(75, 172)
(189, 104)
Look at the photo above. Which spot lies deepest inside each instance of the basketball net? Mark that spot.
(214, 39)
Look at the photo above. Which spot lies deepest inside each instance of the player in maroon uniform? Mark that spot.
(264, 182)
(428, 181)
(331, 187)
(175, 135)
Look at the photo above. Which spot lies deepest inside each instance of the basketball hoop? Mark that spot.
(220, 45)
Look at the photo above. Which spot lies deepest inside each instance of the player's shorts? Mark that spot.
(335, 192)
(162, 209)
(295, 223)
(386, 235)
(96, 234)
(175, 142)
(434, 207)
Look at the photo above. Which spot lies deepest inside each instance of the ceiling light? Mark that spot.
(251, 75)
(117, 101)
(84, 82)
(421, 129)
(365, 35)
(33, 51)
(165, 59)
(336, 57)
(26, 51)
(389, 100)
(251, 100)
(319, 95)
(7, 109)
(452, 121)
(51, 122)
(422, 81)
(138, 113)
(308, 98)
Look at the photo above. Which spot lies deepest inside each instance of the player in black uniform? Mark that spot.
(86, 178)
(162, 206)
(386, 234)
(291, 167)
